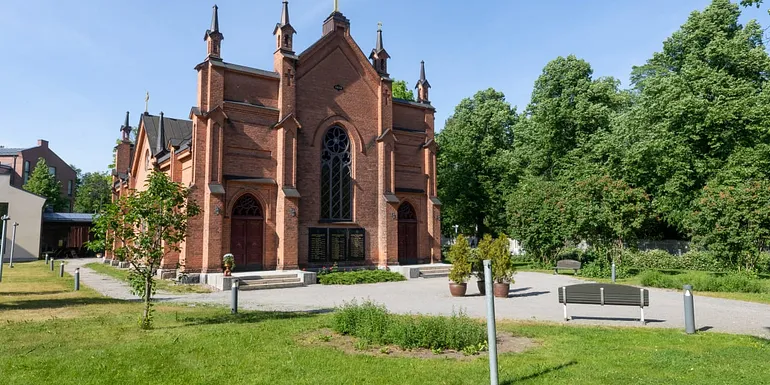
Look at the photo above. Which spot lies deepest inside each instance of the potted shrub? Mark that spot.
(482, 252)
(461, 266)
(502, 267)
(228, 261)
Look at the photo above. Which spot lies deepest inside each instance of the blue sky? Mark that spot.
(71, 69)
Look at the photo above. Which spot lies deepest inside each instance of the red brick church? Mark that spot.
(306, 164)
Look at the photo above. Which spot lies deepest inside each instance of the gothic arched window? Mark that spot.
(336, 179)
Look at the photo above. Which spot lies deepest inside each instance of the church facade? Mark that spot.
(310, 163)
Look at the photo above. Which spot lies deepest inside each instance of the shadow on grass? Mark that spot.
(539, 373)
(58, 303)
(44, 292)
(705, 329)
(251, 317)
(646, 320)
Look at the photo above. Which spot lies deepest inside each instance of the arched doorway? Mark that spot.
(407, 234)
(246, 233)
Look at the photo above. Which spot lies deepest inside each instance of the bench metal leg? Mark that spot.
(641, 308)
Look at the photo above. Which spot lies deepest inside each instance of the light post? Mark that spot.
(13, 244)
(5, 219)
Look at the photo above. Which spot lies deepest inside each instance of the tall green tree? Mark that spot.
(697, 101)
(474, 163)
(142, 227)
(568, 106)
(402, 91)
(541, 217)
(94, 191)
(43, 183)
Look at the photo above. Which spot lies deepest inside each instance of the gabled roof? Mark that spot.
(10, 151)
(175, 130)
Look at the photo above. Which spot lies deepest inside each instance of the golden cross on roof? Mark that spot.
(146, 100)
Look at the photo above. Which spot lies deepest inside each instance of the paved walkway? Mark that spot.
(533, 297)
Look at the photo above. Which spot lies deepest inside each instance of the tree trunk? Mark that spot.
(146, 323)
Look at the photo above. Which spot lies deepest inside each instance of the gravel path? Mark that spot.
(533, 297)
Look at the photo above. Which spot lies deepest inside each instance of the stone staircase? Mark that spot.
(272, 281)
(437, 271)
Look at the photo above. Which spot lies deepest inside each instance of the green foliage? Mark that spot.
(602, 268)
(460, 255)
(142, 226)
(734, 221)
(609, 212)
(540, 217)
(373, 324)
(359, 277)
(568, 106)
(228, 259)
(474, 164)
(484, 250)
(402, 91)
(43, 183)
(697, 101)
(502, 261)
(736, 282)
(662, 260)
(94, 191)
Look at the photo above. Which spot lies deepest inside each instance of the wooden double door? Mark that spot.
(407, 235)
(247, 234)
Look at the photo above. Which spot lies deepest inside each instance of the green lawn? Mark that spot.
(49, 334)
(161, 284)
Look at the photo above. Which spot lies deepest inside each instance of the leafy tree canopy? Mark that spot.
(402, 91)
(43, 183)
(94, 191)
(474, 168)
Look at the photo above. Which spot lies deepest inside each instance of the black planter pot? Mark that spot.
(482, 286)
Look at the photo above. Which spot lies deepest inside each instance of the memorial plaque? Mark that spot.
(319, 244)
(338, 239)
(357, 244)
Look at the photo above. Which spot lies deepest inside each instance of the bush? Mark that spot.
(601, 268)
(700, 281)
(701, 260)
(373, 324)
(460, 254)
(358, 277)
(662, 260)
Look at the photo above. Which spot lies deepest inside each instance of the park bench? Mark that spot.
(567, 264)
(604, 294)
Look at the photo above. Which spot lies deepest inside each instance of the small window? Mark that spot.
(26, 171)
(52, 170)
(69, 188)
(147, 160)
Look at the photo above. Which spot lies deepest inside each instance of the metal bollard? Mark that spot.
(613, 272)
(50, 265)
(234, 297)
(77, 278)
(491, 329)
(689, 310)
(13, 244)
(61, 269)
(46, 258)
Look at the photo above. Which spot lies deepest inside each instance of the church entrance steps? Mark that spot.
(436, 270)
(260, 283)
(257, 280)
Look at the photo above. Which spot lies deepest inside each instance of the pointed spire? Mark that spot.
(160, 146)
(215, 20)
(422, 85)
(423, 80)
(125, 130)
(379, 37)
(285, 13)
